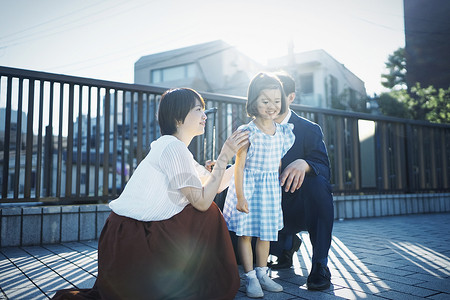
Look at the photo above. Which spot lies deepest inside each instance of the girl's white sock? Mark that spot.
(251, 274)
(261, 271)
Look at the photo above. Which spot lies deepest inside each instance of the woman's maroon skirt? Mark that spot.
(188, 256)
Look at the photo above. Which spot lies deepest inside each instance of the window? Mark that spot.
(333, 87)
(156, 76)
(172, 73)
(352, 95)
(306, 83)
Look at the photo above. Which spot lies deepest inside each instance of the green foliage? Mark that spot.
(352, 101)
(430, 104)
(419, 103)
(390, 104)
(336, 103)
(396, 66)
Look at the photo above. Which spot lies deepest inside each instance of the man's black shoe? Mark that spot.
(320, 277)
(285, 260)
(296, 242)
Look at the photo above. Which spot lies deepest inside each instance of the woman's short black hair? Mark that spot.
(174, 106)
(263, 81)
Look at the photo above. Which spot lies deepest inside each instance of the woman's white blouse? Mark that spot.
(153, 191)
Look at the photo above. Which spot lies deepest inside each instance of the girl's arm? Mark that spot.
(241, 156)
(202, 198)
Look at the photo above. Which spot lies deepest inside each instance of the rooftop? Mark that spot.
(182, 55)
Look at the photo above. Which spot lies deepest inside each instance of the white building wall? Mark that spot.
(322, 66)
(223, 71)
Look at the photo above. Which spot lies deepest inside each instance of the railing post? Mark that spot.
(420, 145)
(88, 142)
(339, 153)
(107, 104)
(409, 154)
(114, 151)
(29, 141)
(97, 145)
(48, 157)
(18, 140)
(39, 142)
(444, 150)
(79, 142)
(356, 168)
(384, 156)
(139, 145)
(124, 128)
(399, 156)
(132, 133)
(432, 150)
(7, 139)
(69, 149)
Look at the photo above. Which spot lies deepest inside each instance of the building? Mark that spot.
(17, 145)
(219, 68)
(215, 67)
(427, 42)
(322, 81)
(16, 118)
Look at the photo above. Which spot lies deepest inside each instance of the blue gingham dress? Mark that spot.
(261, 185)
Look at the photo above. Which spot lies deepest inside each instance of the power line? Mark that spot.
(127, 55)
(47, 22)
(374, 23)
(34, 37)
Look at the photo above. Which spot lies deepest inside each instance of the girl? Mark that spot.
(253, 203)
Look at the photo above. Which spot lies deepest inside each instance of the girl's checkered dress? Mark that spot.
(261, 185)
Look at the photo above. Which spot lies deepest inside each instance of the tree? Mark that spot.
(390, 104)
(396, 66)
(418, 103)
(430, 104)
(348, 99)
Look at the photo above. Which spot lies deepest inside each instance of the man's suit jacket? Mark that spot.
(312, 204)
(308, 145)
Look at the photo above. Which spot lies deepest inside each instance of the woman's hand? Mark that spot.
(202, 198)
(236, 141)
(242, 205)
(209, 165)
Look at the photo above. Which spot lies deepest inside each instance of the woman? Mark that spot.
(165, 239)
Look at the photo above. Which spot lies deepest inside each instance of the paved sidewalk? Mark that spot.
(401, 257)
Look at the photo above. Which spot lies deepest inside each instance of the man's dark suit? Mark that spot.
(311, 207)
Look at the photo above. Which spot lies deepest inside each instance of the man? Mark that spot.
(307, 200)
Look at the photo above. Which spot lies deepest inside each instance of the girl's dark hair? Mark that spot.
(263, 81)
(174, 106)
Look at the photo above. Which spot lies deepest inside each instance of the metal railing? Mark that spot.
(68, 139)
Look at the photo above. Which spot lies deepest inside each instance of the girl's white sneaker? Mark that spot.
(253, 287)
(266, 282)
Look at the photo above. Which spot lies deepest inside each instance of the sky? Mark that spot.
(102, 39)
